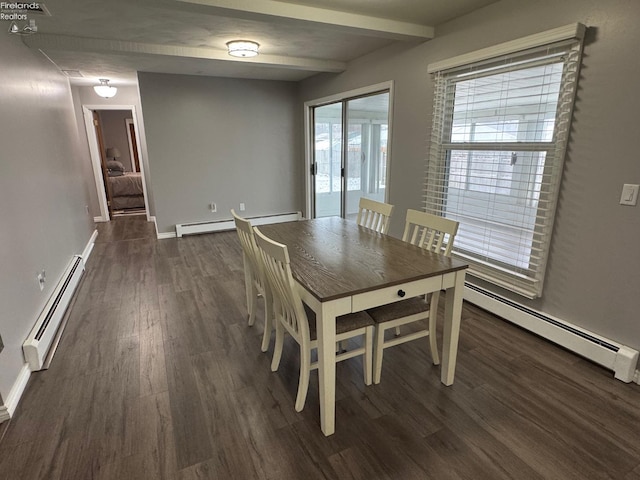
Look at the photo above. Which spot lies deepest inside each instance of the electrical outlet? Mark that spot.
(213, 207)
(242, 207)
(42, 277)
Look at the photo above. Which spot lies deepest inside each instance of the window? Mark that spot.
(497, 149)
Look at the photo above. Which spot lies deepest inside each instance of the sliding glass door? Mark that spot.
(328, 160)
(349, 153)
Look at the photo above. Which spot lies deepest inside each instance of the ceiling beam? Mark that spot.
(353, 23)
(52, 42)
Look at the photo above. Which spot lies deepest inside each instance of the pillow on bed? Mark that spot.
(115, 173)
(115, 165)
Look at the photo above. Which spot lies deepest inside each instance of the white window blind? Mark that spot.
(498, 141)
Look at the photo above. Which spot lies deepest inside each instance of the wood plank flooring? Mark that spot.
(158, 377)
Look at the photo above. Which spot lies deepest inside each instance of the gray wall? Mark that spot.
(114, 131)
(221, 140)
(593, 277)
(43, 196)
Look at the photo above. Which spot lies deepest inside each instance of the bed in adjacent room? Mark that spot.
(125, 187)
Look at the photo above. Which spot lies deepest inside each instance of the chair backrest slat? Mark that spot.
(374, 215)
(249, 248)
(432, 232)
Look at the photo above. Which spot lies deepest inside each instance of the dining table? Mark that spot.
(342, 268)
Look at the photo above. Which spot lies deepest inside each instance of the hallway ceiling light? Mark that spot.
(104, 89)
(243, 48)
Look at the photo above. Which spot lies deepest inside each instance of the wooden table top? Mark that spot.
(335, 258)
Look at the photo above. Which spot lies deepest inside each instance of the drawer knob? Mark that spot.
(401, 293)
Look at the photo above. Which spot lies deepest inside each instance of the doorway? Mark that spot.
(348, 151)
(112, 133)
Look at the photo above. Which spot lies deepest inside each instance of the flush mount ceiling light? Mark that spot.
(104, 89)
(243, 48)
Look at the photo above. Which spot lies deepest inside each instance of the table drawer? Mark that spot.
(383, 296)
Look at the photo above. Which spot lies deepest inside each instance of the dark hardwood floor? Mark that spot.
(158, 377)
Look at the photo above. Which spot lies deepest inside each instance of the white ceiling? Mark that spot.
(114, 39)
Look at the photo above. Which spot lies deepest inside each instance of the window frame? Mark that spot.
(524, 53)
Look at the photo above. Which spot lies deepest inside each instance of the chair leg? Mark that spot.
(303, 383)
(249, 290)
(433, 317)
(252, 300)
(277, 349)
(367, 361)
(377, 354)
(268, 321)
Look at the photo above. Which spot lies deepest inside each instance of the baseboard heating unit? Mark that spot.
(222, 225)
(42, 341)
(611, 355)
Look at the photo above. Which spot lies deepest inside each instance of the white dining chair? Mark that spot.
(292, 316)
(254, 280)
(374, 215)
(435, 234)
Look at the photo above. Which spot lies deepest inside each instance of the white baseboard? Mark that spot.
(11, 403)
(100, 219)
(89, 247)
(622, 360)
(163, 235)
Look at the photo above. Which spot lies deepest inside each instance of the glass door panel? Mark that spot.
(327, 134)
(366, 150)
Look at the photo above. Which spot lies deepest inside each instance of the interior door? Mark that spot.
(133, 145)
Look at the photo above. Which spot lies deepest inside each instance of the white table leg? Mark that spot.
(452, 315)
(326, 328)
